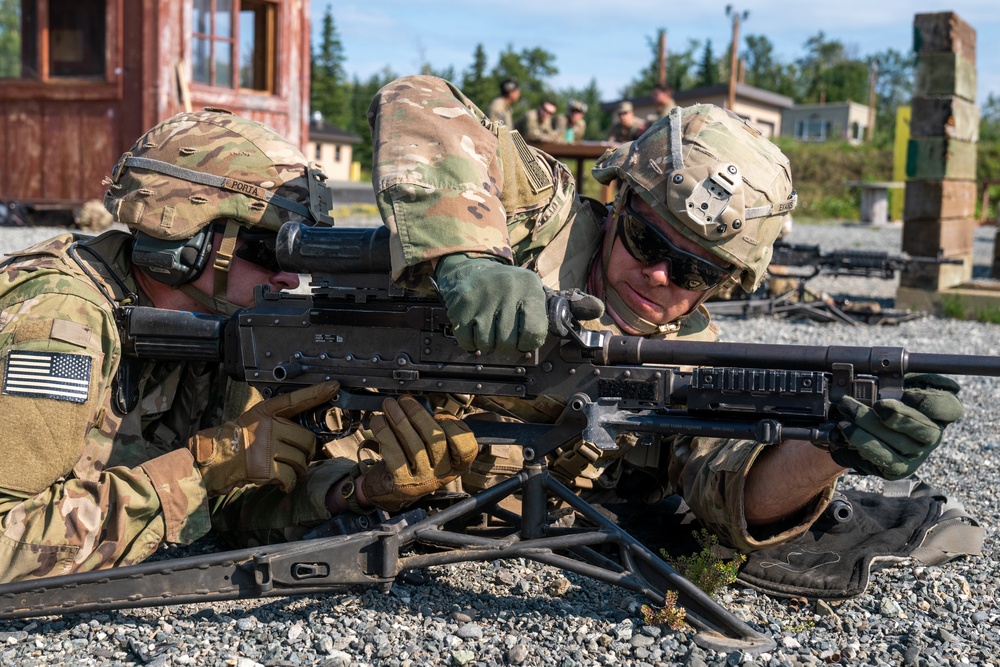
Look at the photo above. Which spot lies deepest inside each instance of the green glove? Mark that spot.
(492, 305)
(892, 438)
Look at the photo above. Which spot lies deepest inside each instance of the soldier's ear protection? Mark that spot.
(173, 262)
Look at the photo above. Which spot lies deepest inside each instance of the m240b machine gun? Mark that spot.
(785, 292)
(378, 340)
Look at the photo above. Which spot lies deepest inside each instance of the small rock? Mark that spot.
(889, 608)
(470, 631)
(558, 587)
(946, 636)
(822, 608)
(462, 657)
(324, 644)
(517, 654)
(461, 617)
(980, 617)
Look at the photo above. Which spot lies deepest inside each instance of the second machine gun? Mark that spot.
(793, 265)
(378, 340)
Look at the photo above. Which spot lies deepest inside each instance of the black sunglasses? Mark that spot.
(649, 245)
(259, 249)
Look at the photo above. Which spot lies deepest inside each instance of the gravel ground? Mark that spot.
(521, 613)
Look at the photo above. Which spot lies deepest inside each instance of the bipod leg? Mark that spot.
(638, 569)
(717, 627)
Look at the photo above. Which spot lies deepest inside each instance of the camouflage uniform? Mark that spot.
(579, 127)
(501, 111)
(536, 130)
(449, 181)
(86, 483)
(620, 134)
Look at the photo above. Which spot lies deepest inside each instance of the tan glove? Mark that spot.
(263, 445)
(420, 453)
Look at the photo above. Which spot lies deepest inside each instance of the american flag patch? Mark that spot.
(64, 377)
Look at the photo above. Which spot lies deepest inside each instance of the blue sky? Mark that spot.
(607, 39)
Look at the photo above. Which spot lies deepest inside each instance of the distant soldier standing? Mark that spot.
(501, 109)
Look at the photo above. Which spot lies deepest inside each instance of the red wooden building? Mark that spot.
(80, 80)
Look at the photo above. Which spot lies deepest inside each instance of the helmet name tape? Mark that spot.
(248, 189)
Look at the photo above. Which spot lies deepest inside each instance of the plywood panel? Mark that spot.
(22, 152)
(98, 150)
(61, 152)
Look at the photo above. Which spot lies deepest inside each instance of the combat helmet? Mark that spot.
(197, 172)
(715, 178)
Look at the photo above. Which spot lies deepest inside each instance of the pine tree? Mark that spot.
(480, 86)
(708, 68)
(329, 92)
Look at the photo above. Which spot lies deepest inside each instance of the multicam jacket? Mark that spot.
(448, 180)
(85, 484)
(500, 110)
(539, 130)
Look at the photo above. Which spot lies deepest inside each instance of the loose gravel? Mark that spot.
(514, 612)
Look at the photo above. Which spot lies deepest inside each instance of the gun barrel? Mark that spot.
(341, 250)
(868, 360)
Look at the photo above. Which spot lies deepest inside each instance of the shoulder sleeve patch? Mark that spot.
(63, 377)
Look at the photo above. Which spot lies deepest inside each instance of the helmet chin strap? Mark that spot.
(218, 302)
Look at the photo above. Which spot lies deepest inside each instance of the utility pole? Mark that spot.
(661, 76)
(872, 77)
(734, 51)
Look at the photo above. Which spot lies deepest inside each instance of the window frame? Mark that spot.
(47, 87)
(269, 60)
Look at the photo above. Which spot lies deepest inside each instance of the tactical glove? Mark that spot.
(892, 438)
(420, 453)
(492, 305)
(263, 445)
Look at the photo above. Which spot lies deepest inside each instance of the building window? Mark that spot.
(336, 153)
(234, 43)
(54, 39)
(319, 151)
(812, 129)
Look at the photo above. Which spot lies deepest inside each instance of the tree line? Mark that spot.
(828, 70)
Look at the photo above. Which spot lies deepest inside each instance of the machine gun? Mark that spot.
(794, 264)
(379, 340)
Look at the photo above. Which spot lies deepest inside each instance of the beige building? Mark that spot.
(332, 147)
(823, 122)
(761, 107)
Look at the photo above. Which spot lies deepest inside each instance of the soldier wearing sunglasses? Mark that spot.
(488, 222)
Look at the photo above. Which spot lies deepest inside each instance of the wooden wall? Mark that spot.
(59, 139)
